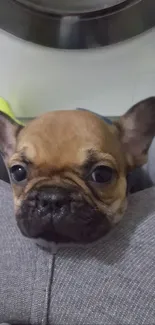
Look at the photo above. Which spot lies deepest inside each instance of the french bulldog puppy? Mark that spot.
(69, 170)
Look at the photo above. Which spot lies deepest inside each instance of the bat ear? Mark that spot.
(9, 130)
(136, 130)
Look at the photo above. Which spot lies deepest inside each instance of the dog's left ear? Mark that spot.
(9, 131)
(136, 130)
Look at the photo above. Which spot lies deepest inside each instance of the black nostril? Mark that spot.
(52, 204)
(58, 204)
(44, 203)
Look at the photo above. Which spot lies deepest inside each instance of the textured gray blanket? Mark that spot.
(111, 282)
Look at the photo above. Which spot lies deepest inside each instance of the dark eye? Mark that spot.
(102, 174)
(18, 173)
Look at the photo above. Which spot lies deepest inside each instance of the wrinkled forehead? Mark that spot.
(64, 139)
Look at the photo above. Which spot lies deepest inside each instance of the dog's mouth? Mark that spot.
(67, 229)
(71, 220)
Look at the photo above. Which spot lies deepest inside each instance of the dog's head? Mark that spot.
(69, 170)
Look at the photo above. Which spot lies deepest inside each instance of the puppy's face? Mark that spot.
(69, 170)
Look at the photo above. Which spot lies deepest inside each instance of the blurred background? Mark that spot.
(95, 54)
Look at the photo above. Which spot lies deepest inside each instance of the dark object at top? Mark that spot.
(70, 6)
(76, 24)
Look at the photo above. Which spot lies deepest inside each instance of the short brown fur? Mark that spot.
(57, 143)
(56, 146)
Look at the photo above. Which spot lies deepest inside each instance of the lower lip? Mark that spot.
(56, 238)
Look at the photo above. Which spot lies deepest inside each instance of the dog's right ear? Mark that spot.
(136, 130)
(9, 131)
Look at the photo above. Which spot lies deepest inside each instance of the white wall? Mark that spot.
(36, 79)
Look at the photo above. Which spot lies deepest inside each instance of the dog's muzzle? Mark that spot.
(61, 215)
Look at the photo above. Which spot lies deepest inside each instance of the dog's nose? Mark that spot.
(43, 210)
(49, 199)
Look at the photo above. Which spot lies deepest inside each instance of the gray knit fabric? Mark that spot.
(112, 282)
(24, 270)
